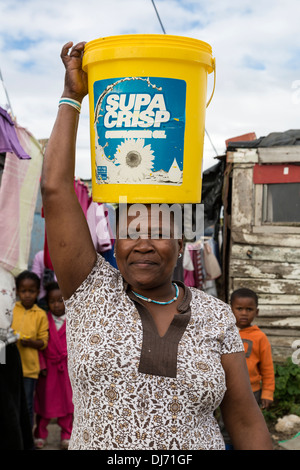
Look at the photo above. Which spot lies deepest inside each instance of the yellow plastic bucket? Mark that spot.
(147, 99)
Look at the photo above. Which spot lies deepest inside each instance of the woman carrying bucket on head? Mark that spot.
(147, 96)
(149, 360)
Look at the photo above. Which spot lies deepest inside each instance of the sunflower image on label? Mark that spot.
(139, 130)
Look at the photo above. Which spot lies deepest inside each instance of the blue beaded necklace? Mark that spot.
(157, 301)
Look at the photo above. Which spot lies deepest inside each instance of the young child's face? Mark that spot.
(28, 293)
(245, 310)
(56, 303)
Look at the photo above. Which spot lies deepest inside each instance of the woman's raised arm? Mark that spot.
(70, 245)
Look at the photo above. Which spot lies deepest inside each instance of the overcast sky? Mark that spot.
(256, 44)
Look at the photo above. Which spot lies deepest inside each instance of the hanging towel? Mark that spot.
(18, 194)
(9, 141)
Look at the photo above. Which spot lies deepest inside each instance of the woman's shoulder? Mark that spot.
(208, 304)
(208, 299)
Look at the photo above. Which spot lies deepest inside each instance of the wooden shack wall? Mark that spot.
(265, 259)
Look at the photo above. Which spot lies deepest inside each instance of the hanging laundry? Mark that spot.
(197, 257)
(201, 266)
(82, 192)
(84, 199)
(97, 219)
(193, 265)
(7, 302)
(47, 260)
(188, 268)
(9, 141)
(18, 195)
(212, 266)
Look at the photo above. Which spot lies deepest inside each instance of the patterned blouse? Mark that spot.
(133, 389)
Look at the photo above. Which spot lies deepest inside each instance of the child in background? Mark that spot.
(244, 304)
(31, 324)
(53, 397)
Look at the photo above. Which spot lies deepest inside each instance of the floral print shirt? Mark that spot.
(133, 389)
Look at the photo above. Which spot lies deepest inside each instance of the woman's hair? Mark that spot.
(28, 275)
(245, 293)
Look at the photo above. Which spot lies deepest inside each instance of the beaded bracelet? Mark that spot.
(75, 104)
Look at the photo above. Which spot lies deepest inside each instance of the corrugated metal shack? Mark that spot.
(261, 234)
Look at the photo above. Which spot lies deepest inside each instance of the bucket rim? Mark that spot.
(130, 39)
(148, 46)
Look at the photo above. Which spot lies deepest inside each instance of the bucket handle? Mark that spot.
(214, 70)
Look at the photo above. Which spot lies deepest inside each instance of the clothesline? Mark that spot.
(19, 186)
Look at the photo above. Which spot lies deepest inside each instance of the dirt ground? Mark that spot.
(287, 436)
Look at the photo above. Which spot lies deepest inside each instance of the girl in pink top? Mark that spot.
(53, 397)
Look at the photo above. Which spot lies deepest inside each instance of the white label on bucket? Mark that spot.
(139, 130)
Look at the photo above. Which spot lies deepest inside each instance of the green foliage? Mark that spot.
(287, 391)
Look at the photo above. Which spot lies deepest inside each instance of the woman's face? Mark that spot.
(147, 262)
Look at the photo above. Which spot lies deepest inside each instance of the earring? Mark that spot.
(179, 255)
(114, 254)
